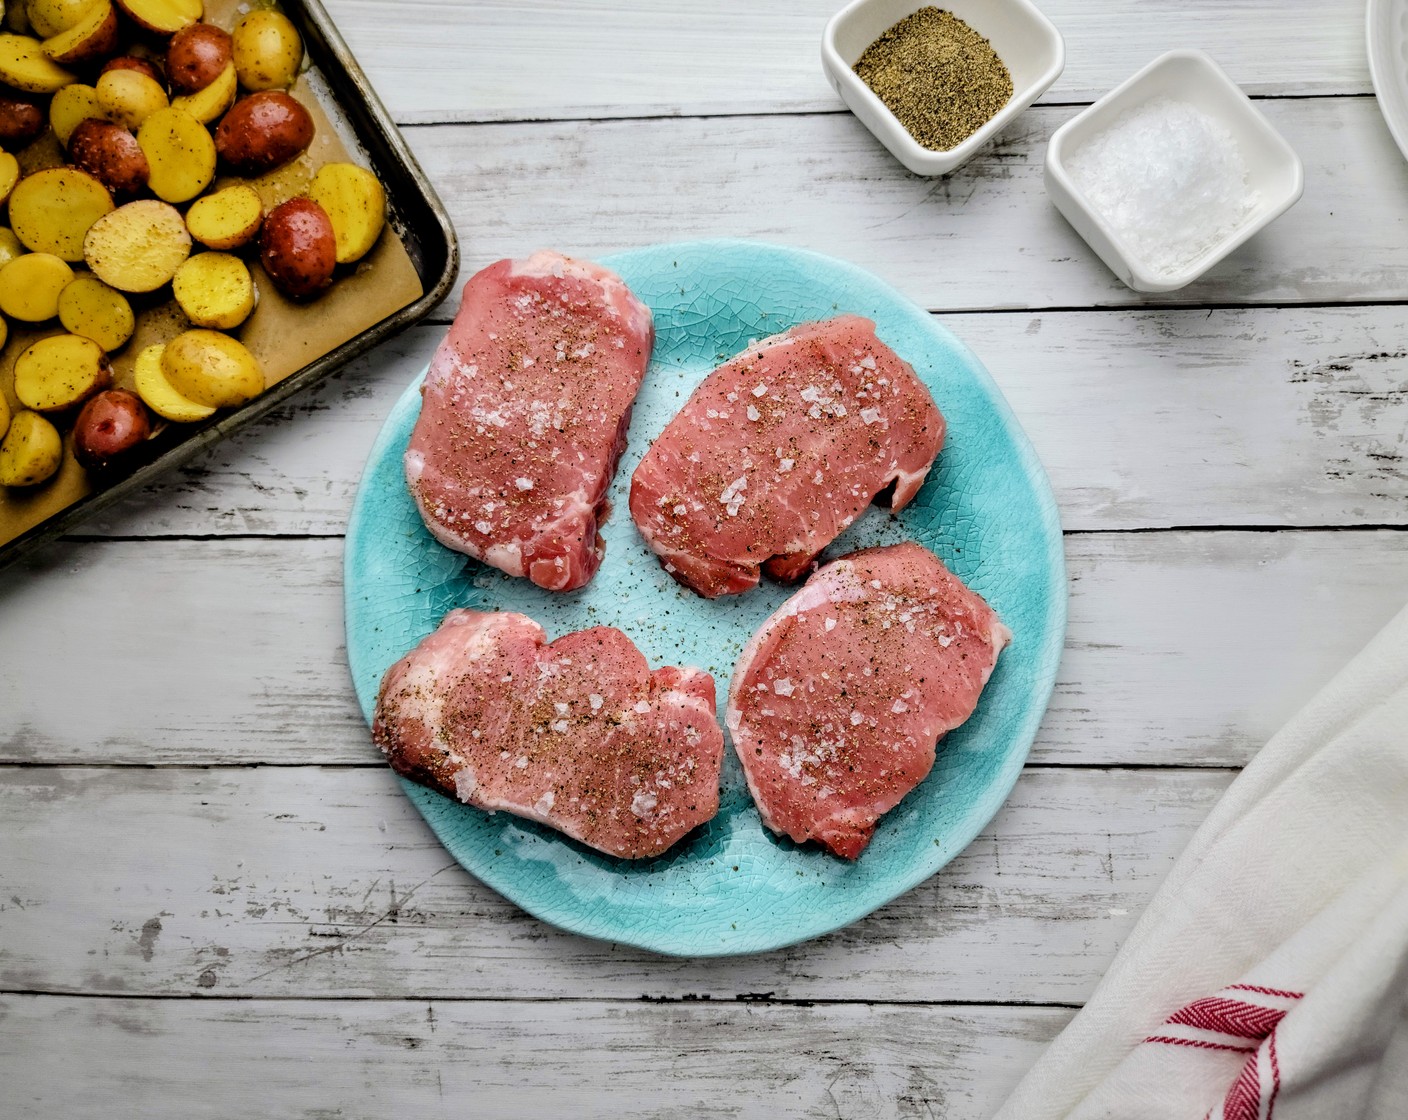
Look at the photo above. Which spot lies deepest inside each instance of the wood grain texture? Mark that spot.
(439, 60)
(984, 237)
(296, 882)
(367, 1060)
(1266, 416)
(1183, 648)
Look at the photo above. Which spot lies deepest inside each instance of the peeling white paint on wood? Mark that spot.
(367, 1060)
(443, 60)
(296, 882)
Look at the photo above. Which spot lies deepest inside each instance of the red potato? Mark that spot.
(263, 131)
(21, 118)
(110, 426)
(132, 62)
(111, 155)
(298, 248)
(196, 56)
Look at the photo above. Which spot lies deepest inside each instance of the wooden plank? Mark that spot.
(1187, 648)
(439, 60)
(984, 237)
(1259, 416)
(183, 1059)
(297, 882)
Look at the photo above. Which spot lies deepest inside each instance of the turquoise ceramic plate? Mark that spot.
(732, 886)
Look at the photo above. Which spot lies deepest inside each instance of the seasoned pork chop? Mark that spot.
(838, 700)
(578, 734)
(780, 449)
(524, 416)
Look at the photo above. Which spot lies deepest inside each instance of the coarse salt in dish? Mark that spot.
(1168, 178)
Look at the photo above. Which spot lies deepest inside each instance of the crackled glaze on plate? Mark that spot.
(732, 886)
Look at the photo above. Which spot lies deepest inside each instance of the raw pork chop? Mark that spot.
(578, 734)
(838, 700)
(524, 416)
(778, 450)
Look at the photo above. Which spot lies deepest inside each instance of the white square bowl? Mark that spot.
(1027, 42)
(1273, 168)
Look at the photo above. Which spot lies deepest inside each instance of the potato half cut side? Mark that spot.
(88, 307)
(214, 290)
(137, 247)
(24, 65)
(70, 107)
(209, 104)
(31, 451)
(165, 17)
(59, 372)
(92, 37)
(160, 395)
(52, 210)
(49, 17)
(212, 369)
(180, 154)
(30, 286)
(356, 205)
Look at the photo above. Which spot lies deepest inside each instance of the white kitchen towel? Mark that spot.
(1269, 975)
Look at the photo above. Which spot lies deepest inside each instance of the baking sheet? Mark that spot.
(286, 336)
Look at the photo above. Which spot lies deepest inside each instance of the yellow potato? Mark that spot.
(227, 219)
(355, 203)
(30, 286)
(212, 369)
(51, 210)
(210, 103)
(70, 107)
(59, 372)
(158, 393)
(50, 17)
(93, 37)
(129, 97)
(214, 290)
(32, 451)
(88, 307)
(4, 333)
(4, 410)
(10, 246)
(9, 174)
(179, 151)
(165, 17)
(138, 247)
(267, 50)
(24, 65)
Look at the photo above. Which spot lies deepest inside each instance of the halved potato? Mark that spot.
(180, 152)
(267, 50)
(31, 452)
(10, 246)
(210, 103)
(9, 174)
(356, 205)
(214, 290)
(59, 372)
(212, 369)
(52, 210)
(71, 106)
(129, 97)
(88, 307)
(4, 411)
(165, 17)
(4, 335)
(50, 17)
(138, 247)
(94, 36)
(226, 219)
(24, 65)
(160, 395)
(30, 286)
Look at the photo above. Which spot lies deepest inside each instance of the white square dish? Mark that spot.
(1026, 41)
(1274, 170)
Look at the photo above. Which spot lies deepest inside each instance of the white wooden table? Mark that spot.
(215, 900)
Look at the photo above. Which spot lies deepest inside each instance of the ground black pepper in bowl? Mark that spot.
(940, 78)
